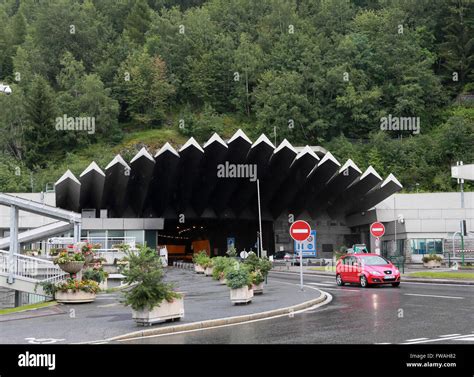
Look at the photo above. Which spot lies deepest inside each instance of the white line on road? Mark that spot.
(325, 284)
(439, 339)
(415, 340)
(467, 339)
(442, 336)
(420, 295)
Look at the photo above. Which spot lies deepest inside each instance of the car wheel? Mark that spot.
(363, 282)
(339, 280)
(396, 284)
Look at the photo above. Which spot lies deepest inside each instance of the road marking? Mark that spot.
(107, 306)
(467, 339)
(382, 343)
(420, 295)
(439, 339)
(415, 340)
(325, 284)
(43, 340)
(442, 336)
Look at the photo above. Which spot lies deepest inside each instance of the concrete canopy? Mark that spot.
(187, 182)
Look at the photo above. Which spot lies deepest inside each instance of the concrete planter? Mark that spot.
(223, 281)
(257, 289)
(432, 264)
(72, 267)
(208, 271)
(165, 311)
(241, 295)
(198, 269)
(71, 297)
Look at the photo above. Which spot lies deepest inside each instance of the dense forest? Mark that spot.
(317, 72)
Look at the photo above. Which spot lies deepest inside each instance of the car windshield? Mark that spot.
(374, 260)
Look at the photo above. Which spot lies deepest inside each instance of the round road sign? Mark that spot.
(377, 229)
(300, 230)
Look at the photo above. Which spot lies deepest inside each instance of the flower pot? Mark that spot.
(241, 295)
(72, 267)
(257, 289)
(198, 269)
(432, 264)
(71, 297)
(208, 271)
(223, 281)
(164, 311)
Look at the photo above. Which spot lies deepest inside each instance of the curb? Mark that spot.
(407, 279)
(223, 321)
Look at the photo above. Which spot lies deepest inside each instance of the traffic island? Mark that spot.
(206, 305)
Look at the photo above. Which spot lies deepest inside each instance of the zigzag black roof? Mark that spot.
(186, 182)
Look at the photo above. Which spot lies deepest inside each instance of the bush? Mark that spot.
(202, 259)
(238, 277)
(95, 274)
(146, 272)
(220, 264)
(432, 257)
(257, 277)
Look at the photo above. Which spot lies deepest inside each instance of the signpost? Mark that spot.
(377, 230)
(300, 231)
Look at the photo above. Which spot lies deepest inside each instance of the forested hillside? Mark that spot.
(317, 72)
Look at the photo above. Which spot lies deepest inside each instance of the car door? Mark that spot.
(343, 267)
(350, 270)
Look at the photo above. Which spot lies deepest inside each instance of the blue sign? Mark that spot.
(308, 246)
(230, 242)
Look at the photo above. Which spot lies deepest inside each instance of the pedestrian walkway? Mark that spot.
(105, 318)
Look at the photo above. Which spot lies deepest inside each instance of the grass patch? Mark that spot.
(27, 307)
(442, 275)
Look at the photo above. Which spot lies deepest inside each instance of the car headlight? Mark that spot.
(396, 271)
(376, 273)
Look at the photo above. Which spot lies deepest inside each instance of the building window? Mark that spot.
(426, 246)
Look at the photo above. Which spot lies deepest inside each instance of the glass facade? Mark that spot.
(426, 246)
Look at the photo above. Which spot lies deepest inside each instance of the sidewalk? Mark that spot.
(204, 299)
(316, 270)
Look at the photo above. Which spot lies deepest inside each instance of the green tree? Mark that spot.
(41, 137)
(138, 22)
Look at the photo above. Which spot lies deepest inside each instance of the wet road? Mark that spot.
(414, 313)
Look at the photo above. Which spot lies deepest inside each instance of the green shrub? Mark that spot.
(95, 274)
(238, 277)
(257, 277)
(146, 273)
(220, 264)
(201, 259)
(432, 257)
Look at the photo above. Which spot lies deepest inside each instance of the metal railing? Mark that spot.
(31, 269)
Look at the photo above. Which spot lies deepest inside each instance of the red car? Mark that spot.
(366, 269)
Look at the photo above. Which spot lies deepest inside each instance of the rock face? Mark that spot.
(7, 298)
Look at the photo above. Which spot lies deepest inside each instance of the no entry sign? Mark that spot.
(300, 230)
(377, 229)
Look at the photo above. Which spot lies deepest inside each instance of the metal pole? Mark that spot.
(13, 243)
(301, 265)
(259, 217)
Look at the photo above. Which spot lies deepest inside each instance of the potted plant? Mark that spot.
(70, 262)
(151, 299)
(231, 252)
(432, 260)
(199, 260)
(72, 291)
(219, 266)
(88, 252)
(97, 274)
(240, 284)
(259, 268)
(208, 266)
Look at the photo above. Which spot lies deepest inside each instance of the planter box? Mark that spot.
(257, 289)
(166, 310)
(208, 271)
(72, 267)
(241, 295)
(432, 264)
(223, 281)
(78, 297)
(198, 269)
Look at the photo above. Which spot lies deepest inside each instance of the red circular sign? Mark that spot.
(377, 229)
(300, 230)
